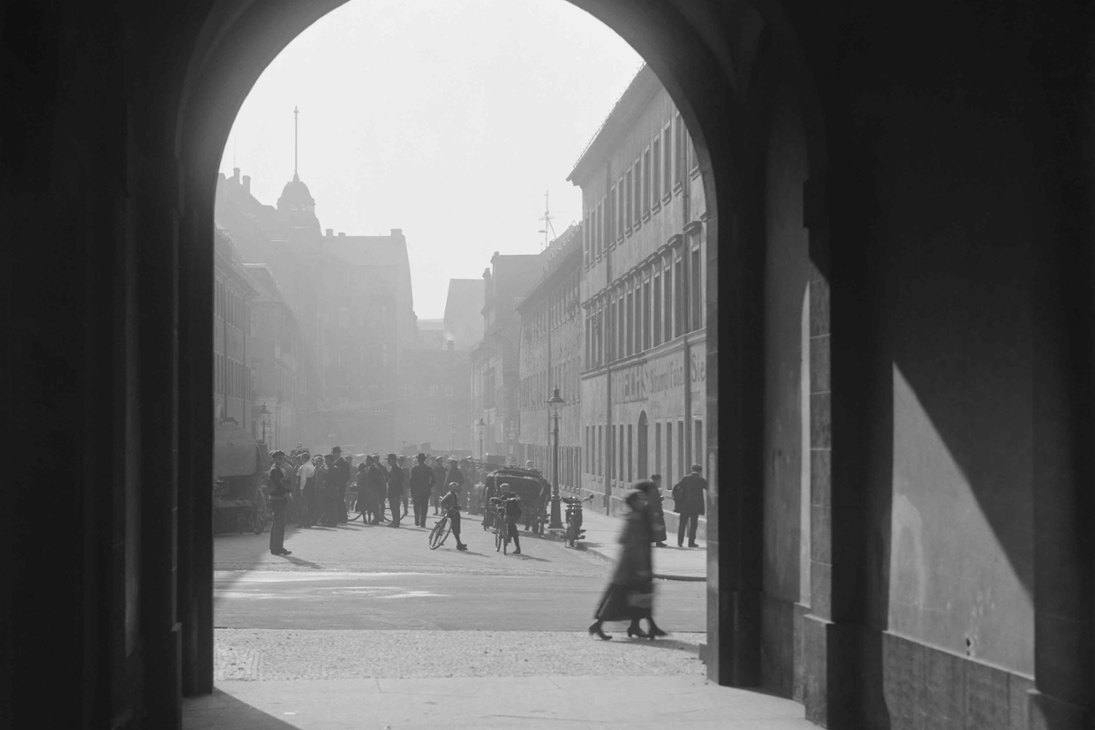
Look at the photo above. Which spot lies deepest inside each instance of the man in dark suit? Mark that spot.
(395, 488)
(421, 485)
(279, 494)
(690, 499)
(342, 482)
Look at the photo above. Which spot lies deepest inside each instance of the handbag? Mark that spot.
(640, 599)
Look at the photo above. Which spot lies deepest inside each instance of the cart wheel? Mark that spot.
(257, 523)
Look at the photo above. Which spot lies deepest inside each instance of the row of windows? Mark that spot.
(552, 311)
(422, 390)
(661, 300)
(636, 458)
(534, 390)
(231, 306)
(640, 191)
(231, 374)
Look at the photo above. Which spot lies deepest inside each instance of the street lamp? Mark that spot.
(264, 413)
(556, 518)
(481, 426)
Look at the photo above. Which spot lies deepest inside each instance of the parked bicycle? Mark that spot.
(574, 531)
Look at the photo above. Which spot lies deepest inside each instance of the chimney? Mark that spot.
(341, 233)
(330, 232)
(397, 233)
(247, 184)
(236, 175)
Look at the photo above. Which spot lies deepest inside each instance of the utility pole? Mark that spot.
(547, 217)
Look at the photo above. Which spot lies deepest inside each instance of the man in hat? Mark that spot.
(689, 499)
(395, 488)
(279, 494)
(421, 484)
(342, 481)
(438, 483)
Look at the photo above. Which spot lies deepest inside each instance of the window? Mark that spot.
(621, 209)
(679, 162)
(698, 444)
(669, 452)
(682, 453)
(630, 455)
(631, 323)
(697, 290)
(679, 302)
(667, 304)
(602, 227)
(621, 327)
(586, 442)
(586, 230)
(600, 447)
(620, 460)
(646, 182)
(657, 448)
(667, 159)
(656, 305)
(646, 315)
(656, 173)
(637, 209)
(630, 200)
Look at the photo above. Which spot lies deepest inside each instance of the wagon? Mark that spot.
(532, 489)
(239, 480)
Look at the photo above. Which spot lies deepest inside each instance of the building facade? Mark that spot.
(464, 313)
(352, 299)
(494, 362)
(279, 397)
(550, 357)
(233, 292)
(643, 299)
(434, 400)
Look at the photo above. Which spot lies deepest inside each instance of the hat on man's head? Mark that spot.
(391, 457)
(336, 449)
(697, 468)
(279, 454)
(421, 457)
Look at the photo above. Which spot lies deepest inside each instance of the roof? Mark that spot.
(265, 283)
(637, 94)
(295, 191)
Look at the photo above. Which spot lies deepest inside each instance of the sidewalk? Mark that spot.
(670, 563)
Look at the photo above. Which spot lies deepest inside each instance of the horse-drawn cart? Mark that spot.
(239, 481)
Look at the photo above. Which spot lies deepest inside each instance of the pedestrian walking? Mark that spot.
(657, 512)
(421, 486)
(279, 494)
(311, 490)
(513, 513)
(395, 488)
(438, 484)
(630, 594)
(451, 506)
(689, 500)
(331, 491)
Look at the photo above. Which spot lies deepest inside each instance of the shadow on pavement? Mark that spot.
(529, 557)
(221, 709)
(302, 563)
(692, 647)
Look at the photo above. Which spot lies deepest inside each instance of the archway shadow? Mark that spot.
(220, 709)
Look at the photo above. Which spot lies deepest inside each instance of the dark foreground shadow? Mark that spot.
(302, 563)
(221, 710)
(522, 556)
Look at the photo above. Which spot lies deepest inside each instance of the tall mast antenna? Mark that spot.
(547, 218)
(296, 113)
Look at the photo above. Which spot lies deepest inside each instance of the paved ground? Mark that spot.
(365, 627)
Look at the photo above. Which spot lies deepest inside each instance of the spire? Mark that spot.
(296, 113)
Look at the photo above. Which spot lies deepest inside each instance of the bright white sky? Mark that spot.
(446, 118)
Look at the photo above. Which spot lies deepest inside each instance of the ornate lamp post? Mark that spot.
(556, 518)
(481, 426)
(264, 414)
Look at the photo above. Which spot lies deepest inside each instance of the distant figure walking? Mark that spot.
(657, 513)
(689, 500)
(395, 488)
(375, 485)
(421, 486)
(630, 594)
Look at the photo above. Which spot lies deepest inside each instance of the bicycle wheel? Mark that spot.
(505, 538)
(497, 538)
(440, 533)
(257, 523)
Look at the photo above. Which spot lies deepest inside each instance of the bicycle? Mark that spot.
(440, 532)
(501, 526)
(574, 531)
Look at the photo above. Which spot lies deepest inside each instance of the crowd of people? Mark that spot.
(311, 490)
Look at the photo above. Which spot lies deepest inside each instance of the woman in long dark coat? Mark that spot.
(630, 594)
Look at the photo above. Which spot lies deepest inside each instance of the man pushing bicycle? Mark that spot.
(450, 505)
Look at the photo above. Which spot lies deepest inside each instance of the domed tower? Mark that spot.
(296, 207)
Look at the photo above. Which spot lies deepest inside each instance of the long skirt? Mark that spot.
(625, 603)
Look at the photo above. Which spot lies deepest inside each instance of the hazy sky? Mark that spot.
(446, 118)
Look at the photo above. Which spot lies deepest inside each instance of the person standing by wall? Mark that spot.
(421, 486)
(279, 495)
(395, 488)
(690, 499)
(654, 499)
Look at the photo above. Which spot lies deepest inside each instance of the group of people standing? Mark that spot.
(311, 490)
(630, 593)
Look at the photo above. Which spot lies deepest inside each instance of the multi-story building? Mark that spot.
(433, 404)
(551, 352)
(351, 296)
(494, 362)
(232, 295)
(464, 313)
(279, 405)
(644, 383)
